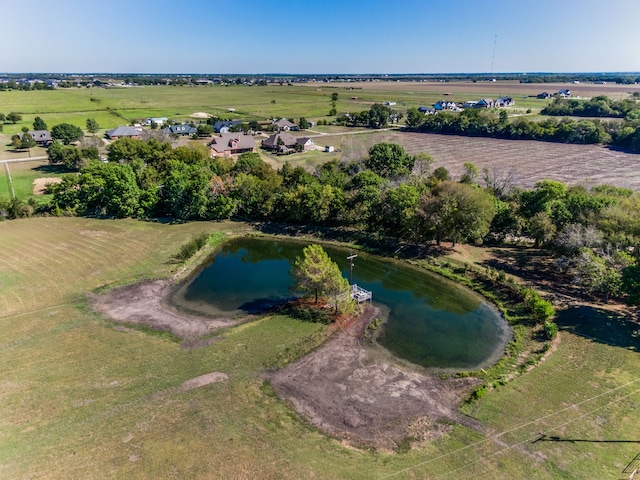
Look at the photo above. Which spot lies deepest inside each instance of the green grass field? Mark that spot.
(118, 106)
(23, 175)
(80, 399)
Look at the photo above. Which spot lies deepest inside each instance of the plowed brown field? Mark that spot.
(528, 161)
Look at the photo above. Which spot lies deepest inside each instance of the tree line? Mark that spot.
(600, 106)
(486, 123)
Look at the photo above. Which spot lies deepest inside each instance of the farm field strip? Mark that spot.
(530, 161)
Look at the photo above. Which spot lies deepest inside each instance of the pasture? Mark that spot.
(84, 398)
(118, 106)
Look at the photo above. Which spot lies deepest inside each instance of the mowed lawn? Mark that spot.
(23, 175)
(80, 399)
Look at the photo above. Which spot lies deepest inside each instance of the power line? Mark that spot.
(531, 422)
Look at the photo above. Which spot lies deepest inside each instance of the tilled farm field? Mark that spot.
(527, 161)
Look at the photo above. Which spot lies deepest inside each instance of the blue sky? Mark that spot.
(314, 36)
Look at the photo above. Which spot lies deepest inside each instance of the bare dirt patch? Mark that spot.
(338, 389)
(40, 184)
(143, 304)
(203, 380)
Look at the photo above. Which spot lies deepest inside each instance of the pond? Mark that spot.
(428, 320)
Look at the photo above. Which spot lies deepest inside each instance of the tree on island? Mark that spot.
(314, 273)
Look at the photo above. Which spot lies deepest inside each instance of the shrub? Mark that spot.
(542, 309)
(309, 314)
(190, 248)
(550, 330)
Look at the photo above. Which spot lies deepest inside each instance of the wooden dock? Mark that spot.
(359, 294)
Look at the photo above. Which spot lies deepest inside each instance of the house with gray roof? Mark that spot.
(223, 126)
(284, 141)
(231, 143)
(41, 137)
(285, 125)
(182, 129)
(119, 132)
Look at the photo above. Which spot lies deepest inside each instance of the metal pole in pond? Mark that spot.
(350, 258)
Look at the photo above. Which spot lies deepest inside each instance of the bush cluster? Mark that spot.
(190, 248)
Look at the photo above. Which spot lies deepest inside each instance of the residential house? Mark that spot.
(120, 132)
(445, 105)
(505, 102)
(284, 141)
(223, 126)
(469, 104)
(182, 129)
(389, 104)
(544, 95)
(41, 137)
(564, 93)
(485, 103)
(427, 110)
(231, 143)
(285, 125)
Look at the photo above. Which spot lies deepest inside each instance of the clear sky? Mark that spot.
(319, 36)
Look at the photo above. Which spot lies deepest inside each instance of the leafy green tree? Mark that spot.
(204, 130)
(454, 211)
(16, 141)
(92, 125)
(334, 97)
(397, 210)
(2, 117)
(440, 174)
(303, 123)
(68, 155)
(379, 115)
(470, 173)
(39, 124)
(314, 273)
(389, 160)
(247, 162)
(66, 133)
(14, 117)
(27, 142)
(415, 118)
(541, 228)
(601, 273)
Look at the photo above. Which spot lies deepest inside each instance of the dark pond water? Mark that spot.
(431, 321)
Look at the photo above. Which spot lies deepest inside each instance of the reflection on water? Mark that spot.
(432, 321)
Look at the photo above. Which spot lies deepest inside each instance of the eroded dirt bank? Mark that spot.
(373, 403)
(144, 304)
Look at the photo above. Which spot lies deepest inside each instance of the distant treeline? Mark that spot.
(195, 79)
(600, 106)
(486, 123)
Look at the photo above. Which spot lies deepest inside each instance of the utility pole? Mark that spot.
(350, 258)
